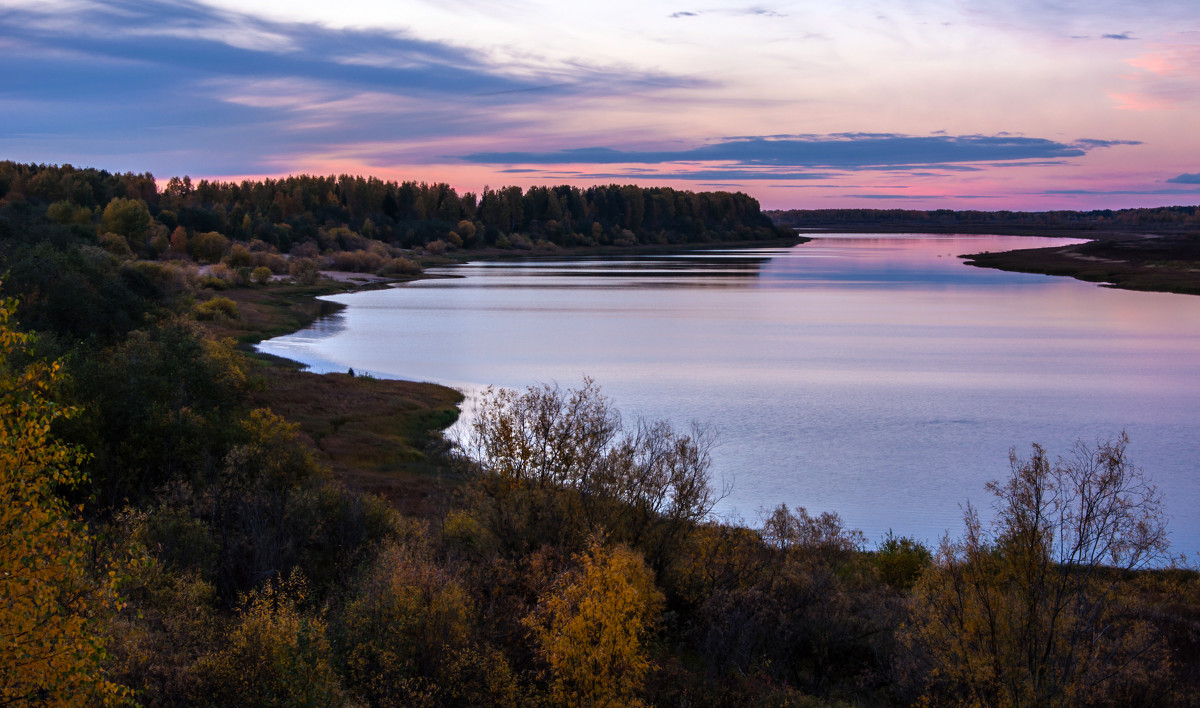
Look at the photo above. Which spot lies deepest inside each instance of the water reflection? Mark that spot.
(705, 269)
(879, 377)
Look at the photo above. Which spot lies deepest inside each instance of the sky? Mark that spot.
(922, 104)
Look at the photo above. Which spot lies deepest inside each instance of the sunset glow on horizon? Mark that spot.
(961, 104)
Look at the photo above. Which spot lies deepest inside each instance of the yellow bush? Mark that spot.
(591, 628)
(51, 608)
(218, 308)
(277, 654)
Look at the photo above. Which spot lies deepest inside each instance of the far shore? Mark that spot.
(1169, 264)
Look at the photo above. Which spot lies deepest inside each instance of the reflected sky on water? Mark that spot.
(875, 376)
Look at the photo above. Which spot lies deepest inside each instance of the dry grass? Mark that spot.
(375, 434)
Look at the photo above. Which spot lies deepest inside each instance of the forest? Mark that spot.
(189, 524)
(289, 211)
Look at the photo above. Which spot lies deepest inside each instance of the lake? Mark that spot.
(877, 376)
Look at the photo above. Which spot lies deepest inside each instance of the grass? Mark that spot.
(376, 435)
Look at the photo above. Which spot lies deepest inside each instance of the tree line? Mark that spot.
(291, 210)
(1171, 218)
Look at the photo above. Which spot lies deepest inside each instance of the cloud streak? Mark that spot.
(847, 151)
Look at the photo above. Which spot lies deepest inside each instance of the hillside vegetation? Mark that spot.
(187, 524)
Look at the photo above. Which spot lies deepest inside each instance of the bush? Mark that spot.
(559, 465)
(400, 266)
(261, 275)
(209, 247)
(127, 217)
(1026, 613)
(304, 270)
(356, 261)
(277, 654)
(115, 244)
(403, 627)
(901, 560)
(218, 308)
(276, 263)
(592, 627)
(239, 257)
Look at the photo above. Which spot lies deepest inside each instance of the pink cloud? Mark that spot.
(1140, 102)
(1168, 76)
(1170, 61)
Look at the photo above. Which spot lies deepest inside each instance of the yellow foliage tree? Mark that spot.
(51, 606)
(591, 628)
(278, 655)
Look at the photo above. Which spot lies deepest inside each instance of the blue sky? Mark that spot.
(923, 103)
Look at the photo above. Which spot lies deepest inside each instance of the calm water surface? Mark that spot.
(875, 376)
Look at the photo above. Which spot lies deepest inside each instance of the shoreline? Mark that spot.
(399, 470)
(377, 435)
(1150, 264)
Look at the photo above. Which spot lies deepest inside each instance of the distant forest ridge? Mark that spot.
(292, 210)
(1172, 219)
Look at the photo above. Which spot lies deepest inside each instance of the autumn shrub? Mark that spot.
(54, 601)
(337, 530)
(306, 249)
(115, 244)
(168, 279)
(277, 654)
(356, 261)
(465, 536)
(466, 230)
(802, 606)
(217, 308)
(128, 217)
(405, 626)
(261, 275)
(209, 247)
(277, 264)
(1033, 610)
(559, 465)
(179, 540)
(238, 256)
(255, 503)
(169, 617)
(304, 270)
(591, 629)
(400, 266)
(228, 277)
(901, 560)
